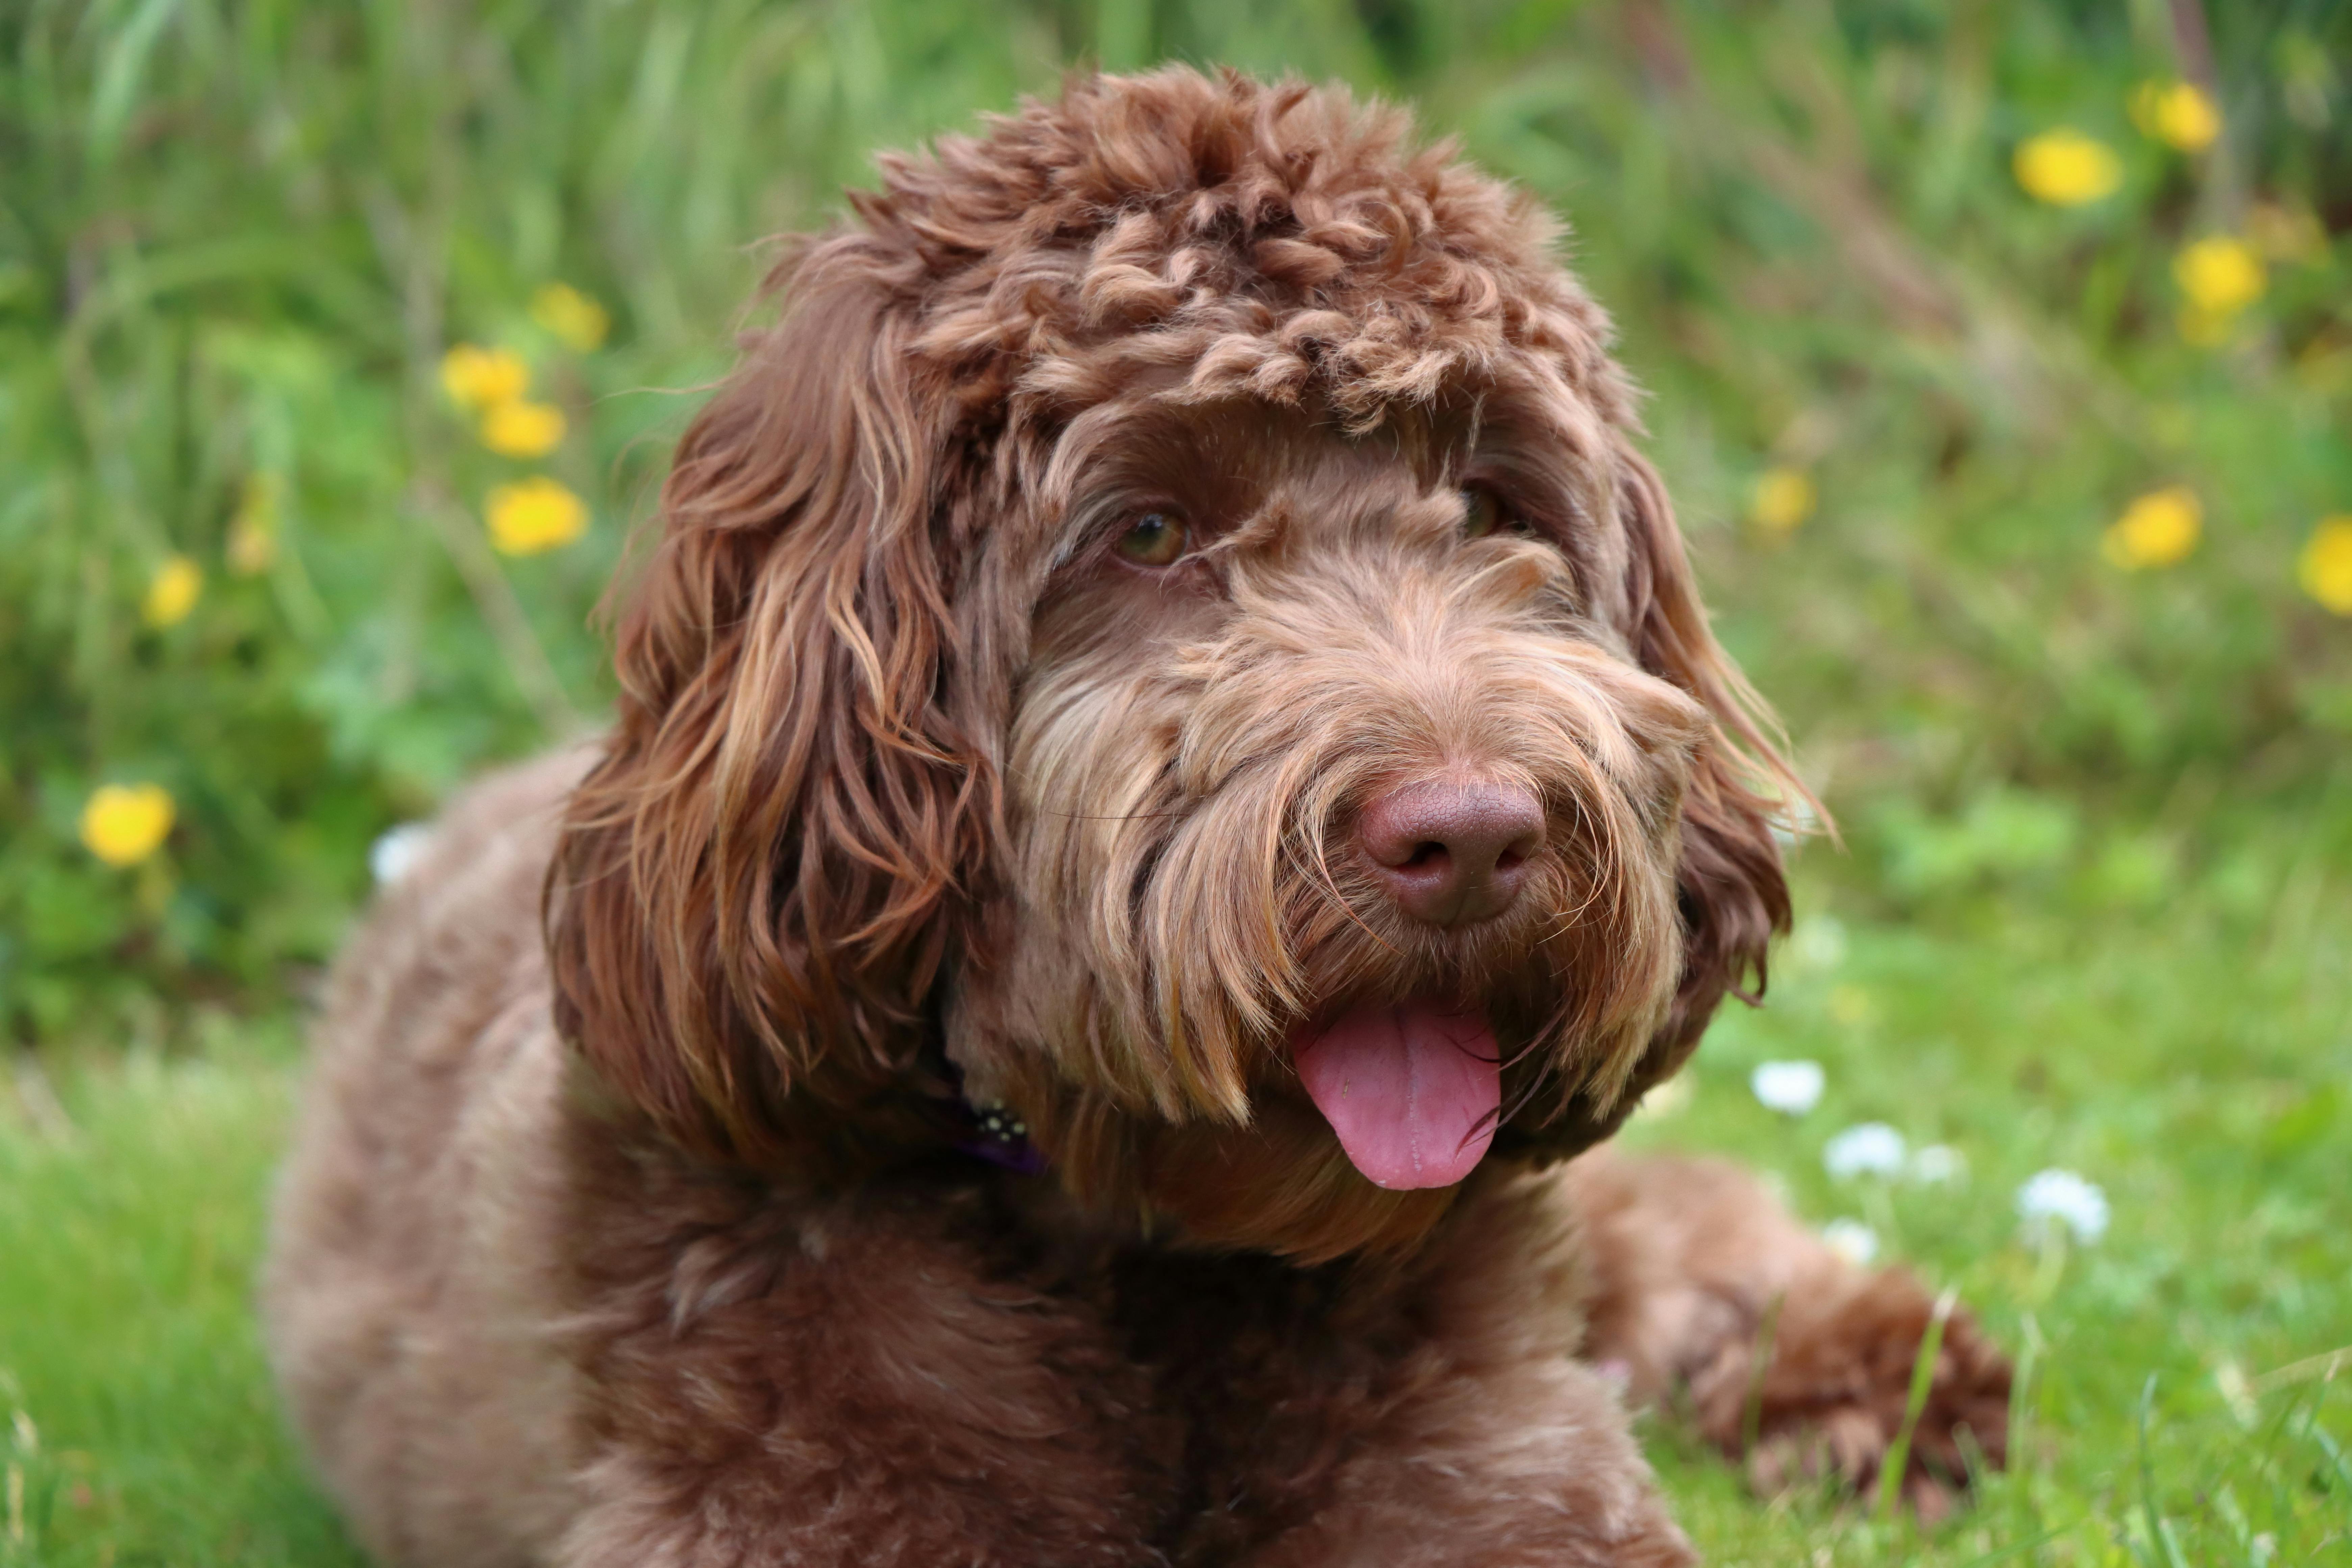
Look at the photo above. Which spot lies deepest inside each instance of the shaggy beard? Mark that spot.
(1220, 905)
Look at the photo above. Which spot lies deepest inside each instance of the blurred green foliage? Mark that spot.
(237, 237)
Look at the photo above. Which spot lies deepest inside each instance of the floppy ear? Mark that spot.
(754, 890)
(1732, 893)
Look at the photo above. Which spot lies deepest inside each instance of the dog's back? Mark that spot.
(409, 1291)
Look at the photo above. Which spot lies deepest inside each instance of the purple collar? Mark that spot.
(991, 1131)
(986, 1130)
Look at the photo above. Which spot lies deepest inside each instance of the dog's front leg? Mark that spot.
(1433, 1417)
(846, 1383)
(1692, 1263)
(1531, 1467)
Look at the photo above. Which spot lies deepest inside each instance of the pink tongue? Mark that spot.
(1410, 1088)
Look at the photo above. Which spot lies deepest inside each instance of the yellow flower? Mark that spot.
(537, 514)
(2066, 168)
(124, 824)
(172, 592)
(2158, 530)
(2177, 113)
(2326, 568)
(571, 316)
(519, 429)
(476, 377)
(253, 531)
(2221, 276)
(1783, 497)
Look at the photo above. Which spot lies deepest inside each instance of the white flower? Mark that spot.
(1852, 1240)
(1871, 1148)
(396, 852)
(2063, 1196)
(1789, 1088)
(1937, 1163)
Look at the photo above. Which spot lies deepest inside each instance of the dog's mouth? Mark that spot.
(1414, 1088)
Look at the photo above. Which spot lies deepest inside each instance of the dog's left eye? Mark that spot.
(1483, 512)
(1155, 539)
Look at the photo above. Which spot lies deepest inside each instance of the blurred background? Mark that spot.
(2001, 355)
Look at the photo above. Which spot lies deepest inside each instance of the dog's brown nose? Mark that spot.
(1452, 852)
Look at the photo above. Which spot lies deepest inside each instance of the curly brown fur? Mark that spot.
(652, 1244)
(1695, 1265)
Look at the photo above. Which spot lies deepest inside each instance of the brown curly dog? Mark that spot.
(1170, 770)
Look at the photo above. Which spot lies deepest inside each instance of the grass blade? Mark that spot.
(2016, 1548)
(1923, 1378)
(2159, 1530)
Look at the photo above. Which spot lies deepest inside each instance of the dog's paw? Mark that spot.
(1828, 1403)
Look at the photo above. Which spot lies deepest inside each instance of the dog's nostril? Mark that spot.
(1451, 852)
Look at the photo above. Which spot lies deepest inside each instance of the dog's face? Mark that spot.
(1174, 612)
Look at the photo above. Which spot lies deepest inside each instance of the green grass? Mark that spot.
(2193, 1060)
(146, 1431)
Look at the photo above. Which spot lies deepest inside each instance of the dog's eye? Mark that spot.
(1155, 539)
(1483, 513)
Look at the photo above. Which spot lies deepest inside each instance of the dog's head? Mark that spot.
(1173, 609)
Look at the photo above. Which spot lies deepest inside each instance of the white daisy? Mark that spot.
(2063, 1197)
(1871, 1148)
(397, 850)
(1789, 1088)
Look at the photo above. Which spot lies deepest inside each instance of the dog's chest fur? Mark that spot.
(915, 1319)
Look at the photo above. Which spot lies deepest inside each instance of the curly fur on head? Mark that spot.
(905, 749)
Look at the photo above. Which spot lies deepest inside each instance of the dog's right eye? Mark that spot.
(1155, 539)
(1483, 512)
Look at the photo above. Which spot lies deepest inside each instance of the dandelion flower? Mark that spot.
(521, 429)
(2055, 1197)
(2177, 114)
(1870, 1149)
(2158, 530)
(124, 824)
(578, 320)
(535, 515)
(253, 531)
(2326, 569)
(2221, 275)
(172, 592)
(2066, 168)
(1789, 1088)
(397, 850)
(1852, 1240)
(1937, 1163)
(476, 377)
(1783, 497)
